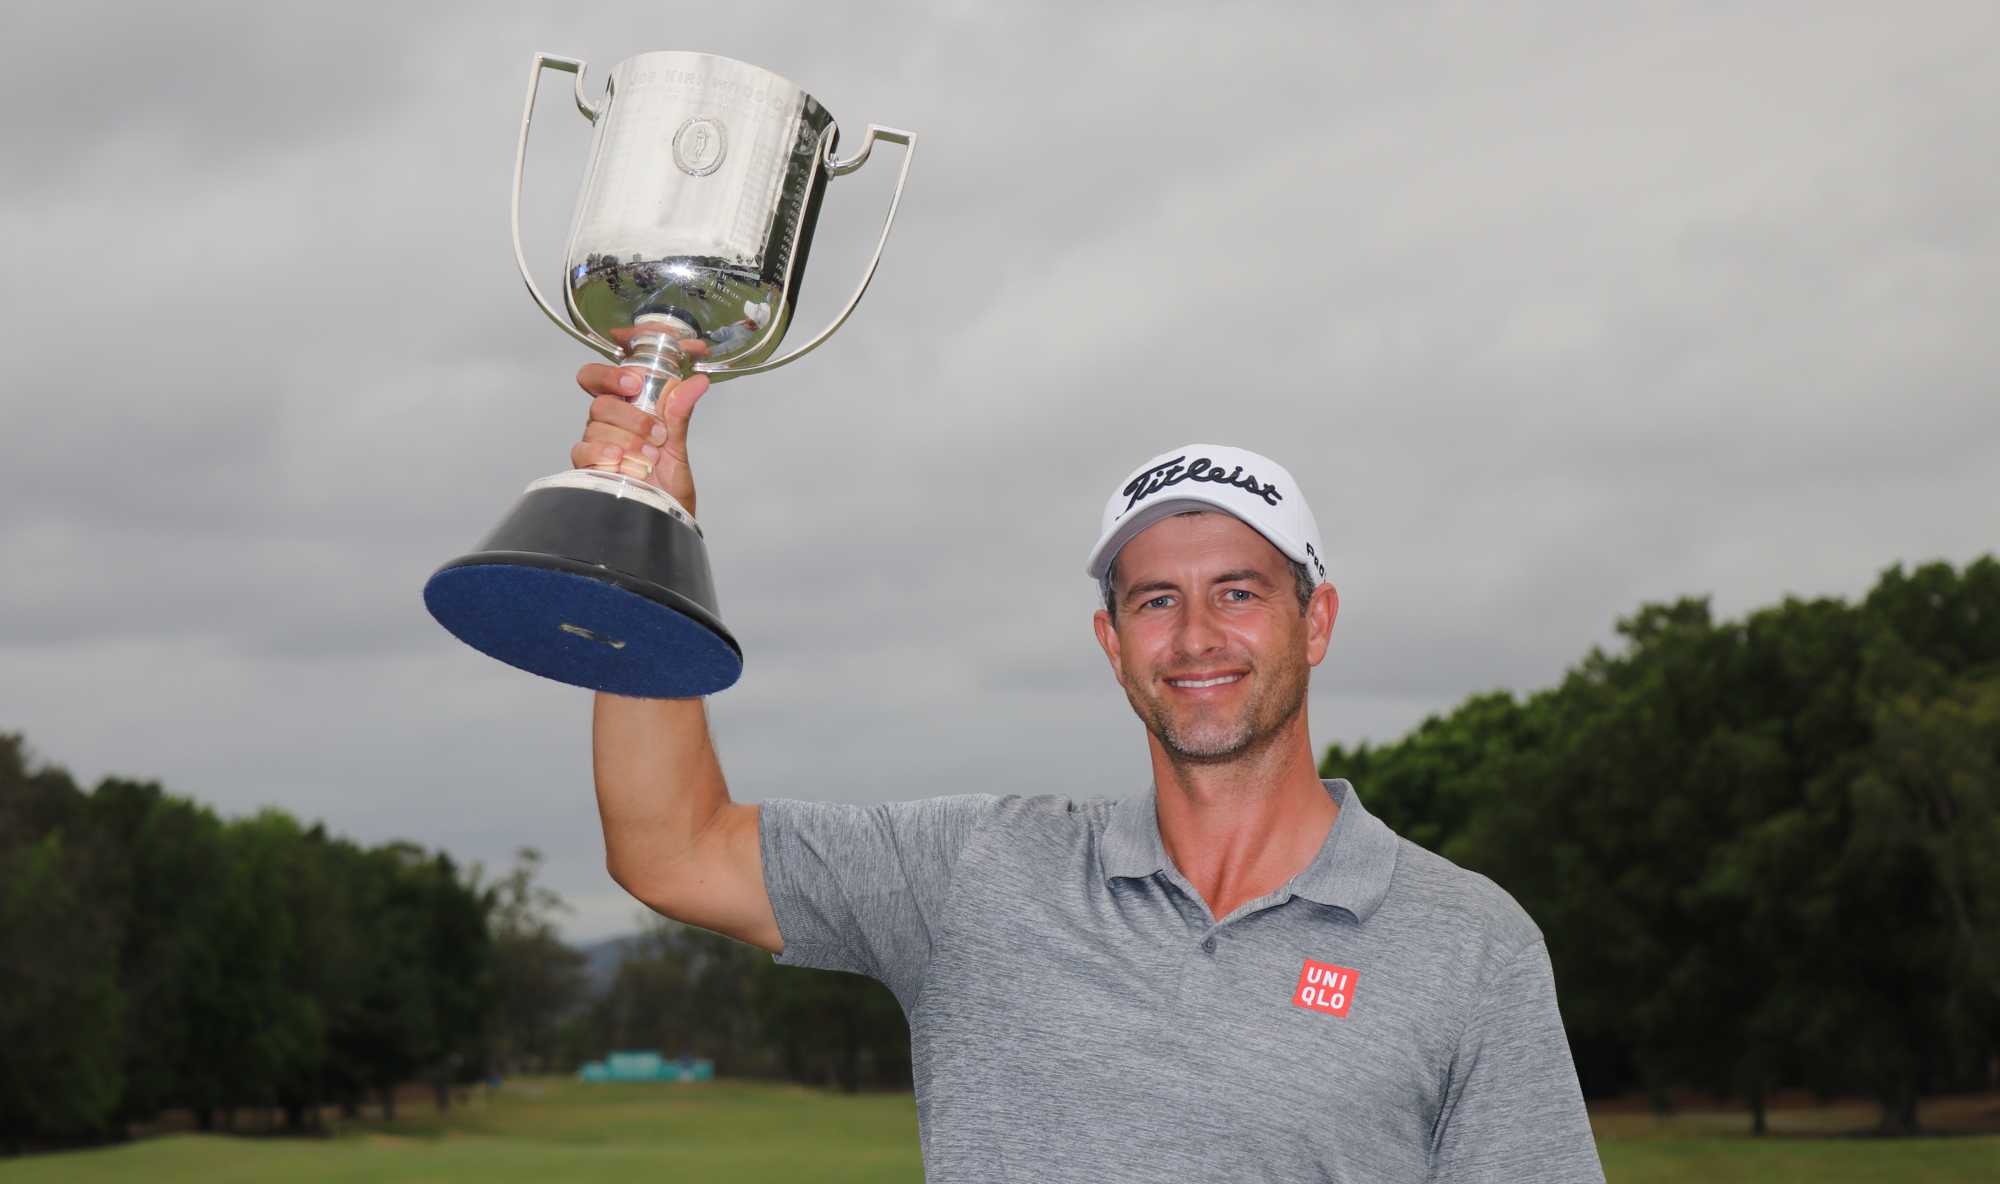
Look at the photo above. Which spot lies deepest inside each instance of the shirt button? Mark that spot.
(1208, 946)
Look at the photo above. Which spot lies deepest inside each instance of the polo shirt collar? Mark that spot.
(1351, 870)
(1132, 844)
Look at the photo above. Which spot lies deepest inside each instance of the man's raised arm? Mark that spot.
(672, 837)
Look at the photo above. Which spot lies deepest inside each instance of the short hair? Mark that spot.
(1302, 581)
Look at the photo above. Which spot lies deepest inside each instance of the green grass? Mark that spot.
(1823, 1143)
(1780, 1160)
(556, 1129)
(552, 1130)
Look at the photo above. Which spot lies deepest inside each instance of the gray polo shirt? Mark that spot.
(1077, 1014)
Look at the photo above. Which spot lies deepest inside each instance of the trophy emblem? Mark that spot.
(698, 147)
(694, 223)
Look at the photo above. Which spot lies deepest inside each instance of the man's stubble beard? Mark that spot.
(1270, 707)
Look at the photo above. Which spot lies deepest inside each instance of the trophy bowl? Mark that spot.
(693, 224)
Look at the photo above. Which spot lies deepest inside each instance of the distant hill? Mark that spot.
(602, 959)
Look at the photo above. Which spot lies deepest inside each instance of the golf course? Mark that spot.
(560, 1129)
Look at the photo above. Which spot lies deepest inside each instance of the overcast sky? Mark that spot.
(1551, 310)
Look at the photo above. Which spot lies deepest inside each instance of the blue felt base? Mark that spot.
(516, 613)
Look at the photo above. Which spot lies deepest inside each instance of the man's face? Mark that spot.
(1209, 643)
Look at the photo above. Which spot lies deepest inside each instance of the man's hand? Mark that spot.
(617, 433)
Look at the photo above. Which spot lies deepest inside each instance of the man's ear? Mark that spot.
(1320, 612)
(1107, 638)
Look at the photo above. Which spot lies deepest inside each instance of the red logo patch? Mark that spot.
(1325, 987)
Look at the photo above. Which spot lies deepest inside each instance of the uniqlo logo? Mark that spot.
(1325, 987)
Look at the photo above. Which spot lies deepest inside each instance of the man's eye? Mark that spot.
(1242, 592)
(1156, 600)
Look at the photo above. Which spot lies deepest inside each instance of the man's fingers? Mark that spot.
(617, 413)
(596, 378)
(624, 382)
(678, 407)
(587, 454)
(604, 433)
(604, 446)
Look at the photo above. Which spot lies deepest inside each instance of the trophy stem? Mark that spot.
(656, 352)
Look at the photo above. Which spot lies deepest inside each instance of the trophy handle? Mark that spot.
(545, 61)
(719, 371)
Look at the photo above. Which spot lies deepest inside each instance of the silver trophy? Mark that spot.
(694, 223)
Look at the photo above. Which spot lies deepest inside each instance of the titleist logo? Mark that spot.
(1172, 472)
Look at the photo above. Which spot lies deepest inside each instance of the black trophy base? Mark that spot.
(593, 589)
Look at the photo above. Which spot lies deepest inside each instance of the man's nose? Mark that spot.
(1200, 629)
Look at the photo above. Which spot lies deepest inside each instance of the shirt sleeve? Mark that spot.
(862, 887)
(1513, 1109)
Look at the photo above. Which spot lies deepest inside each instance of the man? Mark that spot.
(1240, 976)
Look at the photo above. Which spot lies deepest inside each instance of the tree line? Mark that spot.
(687, 991)
(155, 956)
(684, 991)
(1765, 853)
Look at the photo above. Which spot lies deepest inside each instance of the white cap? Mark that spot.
(1240, 483)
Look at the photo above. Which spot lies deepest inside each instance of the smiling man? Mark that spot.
(1239, 975)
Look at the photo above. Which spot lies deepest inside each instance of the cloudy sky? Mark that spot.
(1552, 310)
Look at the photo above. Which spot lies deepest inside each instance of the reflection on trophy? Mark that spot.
(694, 222)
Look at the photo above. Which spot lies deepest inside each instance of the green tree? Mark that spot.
(268, 964)
(537, 980)
(459, 968)
(61, 1012)
(1762, 852)
(170, 959)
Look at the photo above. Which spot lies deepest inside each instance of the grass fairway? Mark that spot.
(557, 1129)
(1808, 1142)
(1787, 1160)
(553, 1129)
